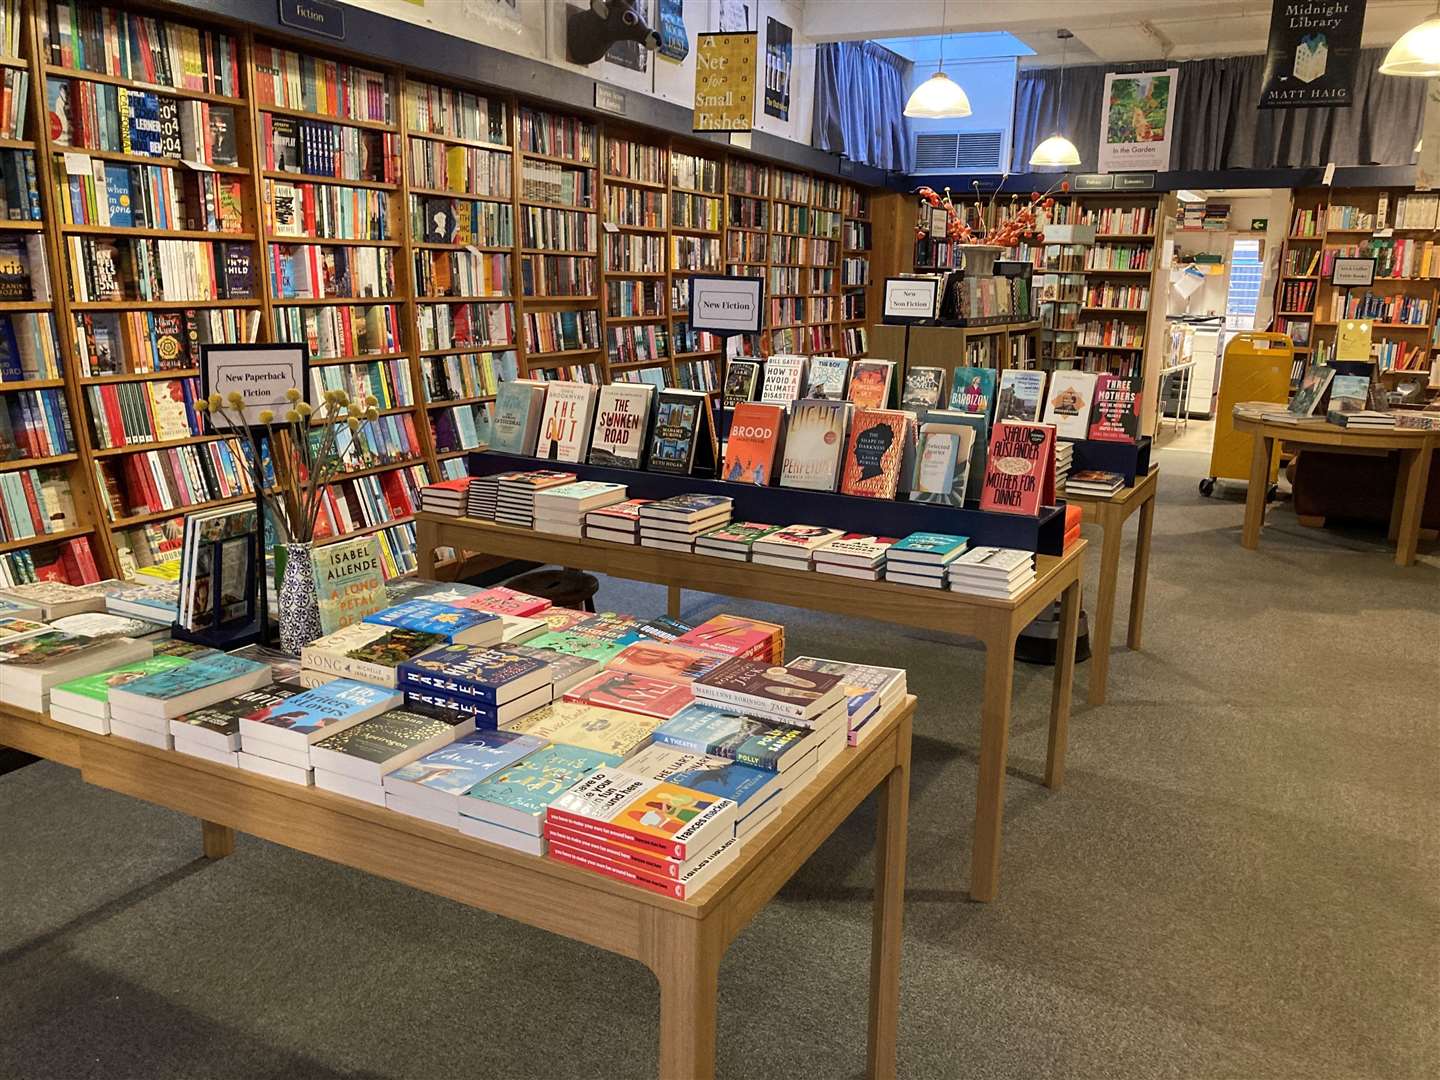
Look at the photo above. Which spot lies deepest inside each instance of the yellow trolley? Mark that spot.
(1257, 367)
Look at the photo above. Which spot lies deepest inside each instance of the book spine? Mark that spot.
(669, 848)
(763, 707)
(634, 858)
(577, 857)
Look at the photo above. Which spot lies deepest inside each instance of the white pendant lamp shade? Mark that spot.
(1417, 53)
(1056, 150)
(937, 98)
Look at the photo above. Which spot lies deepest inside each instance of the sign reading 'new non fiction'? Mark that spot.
(727, 305)
(910, 299)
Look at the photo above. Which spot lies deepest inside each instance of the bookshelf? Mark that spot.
(1119, 280)
(855, 271)
(326, 202)
(747, 243)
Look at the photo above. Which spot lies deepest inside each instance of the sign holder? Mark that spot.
(910, 300)
(724, 305)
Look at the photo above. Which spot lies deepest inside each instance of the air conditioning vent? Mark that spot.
(962, 151)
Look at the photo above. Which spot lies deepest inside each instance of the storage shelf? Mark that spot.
(135, 448)
(561, 299)
(157, 305)
(508, 249)
(304, 114)
(366, 530)
(453, 349)
(442, 404)
(441, 193)
(532, 357)
(166, 234)
(55, 70)
(560, 251)
(332, 241)
(138, 376)
(364, 358)
(179, 511)
(38, 462)
(21, 226)
(314, 178)
(30, 384)
(556, 159)
(620, 320)
(44, 538)
(648, 184)
(148, 159)
(575, 208)
(27, 305)
(504, 299)
(456, 140)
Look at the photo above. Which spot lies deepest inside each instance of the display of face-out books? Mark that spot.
(566, 422)
(1021, 395)
(742, 379)
(875, 452)
(828, 378)
(784, 379)
(815, 444)
(870, 382)
(683, 438)
(1305, 402)
(515, 426)
(1069, 401)
(972, 390)
(923, 388)
(942, 469)
(756, 431)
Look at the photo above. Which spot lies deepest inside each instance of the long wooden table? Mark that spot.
(995, 623)
(1414, 447)
(1110, 513)
(682, 942)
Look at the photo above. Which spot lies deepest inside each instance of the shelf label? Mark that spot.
(610, 226)
(727, 305)
(78, 164)
(198, 166)
(608, 99)
(315, 17)
(1350, 272)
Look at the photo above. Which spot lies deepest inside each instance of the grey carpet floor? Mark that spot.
(1239, 880)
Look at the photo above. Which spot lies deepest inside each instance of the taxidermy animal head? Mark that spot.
(591, 31)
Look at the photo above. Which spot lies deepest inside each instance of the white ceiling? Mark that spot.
(1105, 30)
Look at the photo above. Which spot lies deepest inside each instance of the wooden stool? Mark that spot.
(563, 588)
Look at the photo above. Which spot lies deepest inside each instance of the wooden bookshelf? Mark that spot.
(635, 205)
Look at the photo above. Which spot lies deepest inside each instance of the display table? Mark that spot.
(682, 942)
(1111, 512)
(1414, 447)
(996, 623)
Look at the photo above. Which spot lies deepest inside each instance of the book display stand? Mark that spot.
(1130, 460)
(681, 941)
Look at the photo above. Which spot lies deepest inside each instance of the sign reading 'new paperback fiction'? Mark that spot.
(259, 373)
(727, 305)
(724, 82)
(1312, 55)
(1137, 122)
(910, 300)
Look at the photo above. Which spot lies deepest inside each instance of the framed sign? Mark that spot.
(727, 305)
(1350, 272)
(909, 300)
(259, 373)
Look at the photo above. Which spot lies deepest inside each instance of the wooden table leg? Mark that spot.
(1060, 691)
(425, 550)
(1415, 472)
(687, 965)
(1112, 530)
(1397, 504)
(1141, 581)
(994, 746)
(889, 905)
(672, 601)
(1255, 494)
(216, 841)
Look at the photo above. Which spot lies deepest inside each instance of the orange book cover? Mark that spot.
(873, 453)
(754, 442)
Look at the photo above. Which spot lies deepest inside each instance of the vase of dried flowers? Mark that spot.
(309, 448)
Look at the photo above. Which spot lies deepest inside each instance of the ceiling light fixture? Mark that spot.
(939, 97)
(1057, 150)
(1417, 53)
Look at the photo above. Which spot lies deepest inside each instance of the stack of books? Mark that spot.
(788, 695)
(619, 524)
(483, 502)
(734, 635)
(142, 709)
(1064, 458)
(794, 546)
(432, 787)
(364, 651)
(733, 540)
(758, 793)
(85, 702)
(516, 505)
(856, 555)
(565, 670)
(562, 510)
(354, 762)
(508, 807)
(489, 684)
(1002, 573)
(275, 740)
(448, 497)
(921, 558)
(213, 733)
(869, 690)
(1095, 482)
(674, 523)
(652, 833)
(30, 667)
(1366, 420)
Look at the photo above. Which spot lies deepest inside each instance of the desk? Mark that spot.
(682, 942)
(1414, 447)
(996, 623)
(1110, 513)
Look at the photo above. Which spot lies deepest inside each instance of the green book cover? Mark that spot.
(97, 687)
(536, 780)
(576, 644)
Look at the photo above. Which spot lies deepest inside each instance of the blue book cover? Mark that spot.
(457, 768)
(10, 370)
(678, 505)
(117, 196)
(325, 705)
(701, 729)
(701, 772)
(206, 671)
(536, 780)
(942, 545)
(428, 617)
(419, 697)
(471, 670)
(973, 390)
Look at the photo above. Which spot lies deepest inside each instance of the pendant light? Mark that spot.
(1057, 150)
(939, 97)
(1417, 53)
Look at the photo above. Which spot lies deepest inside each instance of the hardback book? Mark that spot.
(769, 690)
(726, 733)
(942, 467)
(1021, 395)
(445, 703)
(927, 548)
(460, 626)
(1020, 472)
(204, 681)
(218, 726)
(617, 523)
(622, 425)
(666, 660)
(595, 727)
(1001, 562)
(89, 695)
(742, 379)
(979, 445)
(679, 823)
(756, 432)
(643, 694)
(854, 549)
(867, 687)
(566, 423)
(13, 628)
(972, 390)
(733, 539)
(827, 378)
(1348, 394)
(784, 379)
(645, 868)
(797, 541)
(367, 651)
(870, 382)
(923, 388)
(682, 440)
(349, 580)
(663, 628)
(498, 600)
(735, 635)
(559, 618)
(58, 598)
(441, 778)
(1311, 391)
(875, 452)
(744, 785)
(311, 715)
(102, 624)
(488, 676)
(1115, 416)
(815, 444)
(1069, 401)
(576, 642)
(516, 796)
(564, 669)
(515, 422)
(374, 747)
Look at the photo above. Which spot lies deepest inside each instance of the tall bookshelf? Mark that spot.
(747, 243)
(635, 233)
(697, 246)
(855, 271)
(1119, 281)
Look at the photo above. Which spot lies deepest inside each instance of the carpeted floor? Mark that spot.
(1239, 880)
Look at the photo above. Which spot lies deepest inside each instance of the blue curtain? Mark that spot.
(860, 104)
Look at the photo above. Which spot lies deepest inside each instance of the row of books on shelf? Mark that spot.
(24, 269)
(1395, 257)
(35, 424)
(629, 160)
(465, 170)
(137, 342)
(466, 325)
(551, 182)
(1130, 297)
(1305, 222)
(321, 271)
(1113, 333)
(462, 221)
(71, 561)
(28, 347)
(460, 427)
(458, 114)
(388, 381)
(130, 45)
(1119, 257)
(320, 148)
(19, 187)
(154, 481)
(561, 331)
(364, 502)
(35, 502)
(1297, 296)
(635, 207)
(560, 230)
(147, 269)
(136, 413)
(462, 274)
(327, 211)
(1117, 220)
(147, 197)
(312, 84)
(1398, 309)
(467, 375)
(559, 275)
(340, 330)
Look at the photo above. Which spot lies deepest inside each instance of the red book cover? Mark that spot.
(578, 857)
(1115, 416)
(753, 443)
(640, 694)
(874, 452)
(37, 519)
(1020, 468)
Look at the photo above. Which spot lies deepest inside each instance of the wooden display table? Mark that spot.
(996, 623)
(1414, 447)
(1111, 512)
(682, 942)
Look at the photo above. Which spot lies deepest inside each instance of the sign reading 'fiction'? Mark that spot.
(727, 305)
(261, 374)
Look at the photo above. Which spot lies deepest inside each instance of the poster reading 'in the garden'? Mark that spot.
(1137, 124)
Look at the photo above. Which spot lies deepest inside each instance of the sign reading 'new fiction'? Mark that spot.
(1312, 55)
